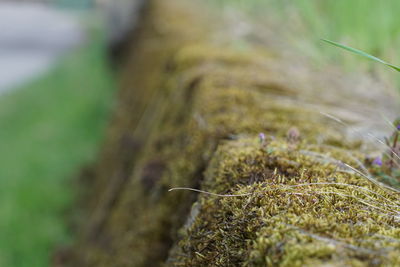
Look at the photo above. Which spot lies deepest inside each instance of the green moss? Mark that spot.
(284, 224)
(202, 108)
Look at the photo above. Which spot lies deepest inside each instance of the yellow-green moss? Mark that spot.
(193, 110)
(281, 223)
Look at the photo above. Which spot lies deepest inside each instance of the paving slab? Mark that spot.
(32, 37)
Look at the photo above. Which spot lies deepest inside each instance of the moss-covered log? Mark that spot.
(189, 115)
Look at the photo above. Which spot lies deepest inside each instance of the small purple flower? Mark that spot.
(377, 161)
(398, 127)
(262, 137)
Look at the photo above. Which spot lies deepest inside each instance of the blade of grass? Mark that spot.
(361, 53)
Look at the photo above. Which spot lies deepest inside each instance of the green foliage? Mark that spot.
(371, 24)
(364, 23)
(48, 130)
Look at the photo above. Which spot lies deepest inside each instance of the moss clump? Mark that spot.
(188, 108)
(300, 211)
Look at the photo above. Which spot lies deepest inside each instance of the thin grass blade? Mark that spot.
(361, 53)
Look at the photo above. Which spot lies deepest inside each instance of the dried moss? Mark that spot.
(193, 107)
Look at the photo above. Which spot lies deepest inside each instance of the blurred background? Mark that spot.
(371, 26)
(56, 90)
(57, 87)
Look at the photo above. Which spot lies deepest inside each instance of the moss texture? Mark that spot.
(189, 115)
(302, 210)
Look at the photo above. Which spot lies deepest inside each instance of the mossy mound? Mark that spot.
(303, 209)
(189, 115)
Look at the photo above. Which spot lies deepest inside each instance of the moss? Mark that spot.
(191, 111)
(284, 224)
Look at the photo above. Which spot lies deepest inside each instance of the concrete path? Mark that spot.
(32, 37)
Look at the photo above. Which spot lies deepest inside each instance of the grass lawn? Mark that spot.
(48, 129)
(369, 25)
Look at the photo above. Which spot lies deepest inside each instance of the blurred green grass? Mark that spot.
(369, 25)
(48, 129)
